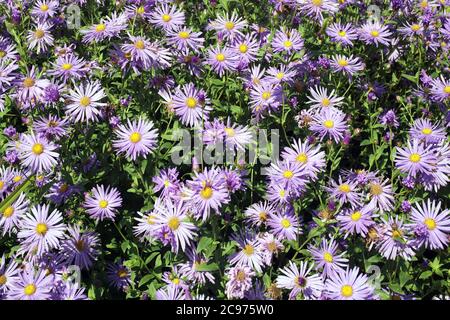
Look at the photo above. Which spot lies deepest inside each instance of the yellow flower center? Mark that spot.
(166, 17)
(262, 216)
(173, 223)
(85, 101)
(243, 48)
(430, 223)
(240, 276)
(8, 212)
(166, 183)
(2, 184)
(220, 57)
(191, 102)
(67, 66)
(28, 82)
(151, 219)
(2, 279)
(287, 44)
(396, 234)
(41, 229)
(17, 179)
(140, 10)
(328, 257)
(176, 281)
(325, 102)
(415, 27)
(249, 250)
(266, 95)
(328, 124)
(447, 89)
(285, 223)
(288, 174)
(280, 75)
(100, 27)
(122, 273)
(347, 291)
(317, 3)
(44, 7)
(415, 157)
(2, 53)
(135, 137)
(356, 216)
(272, 246)
(427, 131)
(345, 188)
(424, 4)
(183, 34)
(139, 44)
(230, 132)
(39, 33)
(302, 157)
(282, 193)
(376, 189)
(342, 33)
(206, 193)
(103, 204)
(37, 149)
(342, 62)
(229, 25)
(375, 33)
(29, 289)
(64, 187)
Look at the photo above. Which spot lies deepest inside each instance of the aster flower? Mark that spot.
(319, 98)
(316, 8)
(69, 67)
(72, 291)
(40, 37)
(347, 65)
(41, 231)
(282, 74)
(344, 34)
(269, 246)
(51, 126)
(8, 50)
(44, 9)
(146, 227)
(185, 39)
(108, 28)
(349, 284)
(228, 27)
(356, 220)
(389, 118)
(288, 174)
(411, 29)
(373, 32)
(266, 94)
(190, 268)
(36, 153)
(246, 49)
(433, 224)
(84, 102)
(279, 194)
(8, 275)
(345, 192)
(381, 195)
(61, 191)
(190, 104)
(171, 292)
(11, 216)
(167, 17)
(249, 253)
(7, 74)
(307, 155)
(427, 131)
(136, 139)
(415, 158)
(31, 286)
(440, 89)
(173, 216)
(326, 256)
(239, 281)
(118, 275)
(299, 280)
(222, 59)
(167, 182)
(29, 88)
(80, 248)
(258, 213)
(329, 123)
(287, 41)
(284, 225)
(395, 240)
(103, 203)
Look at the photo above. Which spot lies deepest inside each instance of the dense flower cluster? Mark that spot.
(357, 178)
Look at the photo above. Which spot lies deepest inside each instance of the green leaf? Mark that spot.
(425, 274)
(207, 267)
(15, 194)
(204, 243)
(145, 279)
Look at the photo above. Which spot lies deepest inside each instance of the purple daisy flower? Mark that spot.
(427, 131)
(69, 67)
(381, 195)
(290, 175)
(347, 65)
(190, 104)
(45, 9)
(284, 225)
(119, 276)
(80, 248)
(344, 34)
(51, 126)
(103, 203)
(287, 41)
(222, 60)
(228, 27)
(434, 222)
(137, 139)
(395, 240)
(299, 280)
(11, 216)
(440, 89)
(190, 268)
(349, 284)
(249, 253)
(30, 88)
(36, 153)
(356, 220)
(326, 256)
(316, 8)
(40, 37)
(329, 123)
(345, 192)
(8, 275)
(185, 39)
(31, 286)
(373, 32)
(172, 292)
(146, 227)
(239, 281)
(167, 17)
(246, 49)
(84, 102)
(415, 158)
(320, 98)
(108, 28)
(167, 182)
(258, 213)
(40, 231)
